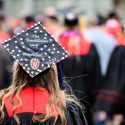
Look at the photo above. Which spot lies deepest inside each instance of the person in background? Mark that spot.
(113, 15)
(106, 101)
(28, 21)
(5, 59)
(110, 96)
(15, 26)
(51, 22)
(79, 69)
(5, 68)
(103, 41)
(3, 34)
(114, 28)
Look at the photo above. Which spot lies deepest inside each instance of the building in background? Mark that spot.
(19, 7)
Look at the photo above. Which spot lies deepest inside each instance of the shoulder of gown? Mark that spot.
(74, 115)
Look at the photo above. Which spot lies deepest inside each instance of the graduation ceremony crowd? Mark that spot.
(95, 69)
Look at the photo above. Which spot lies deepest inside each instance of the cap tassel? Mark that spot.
(60, 76)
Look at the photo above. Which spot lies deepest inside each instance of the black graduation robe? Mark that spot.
(110, 95)
(74, 116)
(5, 68)
(83, 73)
(82, 69)
(35, 99)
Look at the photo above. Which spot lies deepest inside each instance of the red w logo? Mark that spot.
(34, 63)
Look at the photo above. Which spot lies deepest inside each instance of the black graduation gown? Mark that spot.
(35, 100)
(83, 73)
(110, 95)
(5, 68)
(74, 115)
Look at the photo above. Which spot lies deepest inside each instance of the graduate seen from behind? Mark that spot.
(37, 95)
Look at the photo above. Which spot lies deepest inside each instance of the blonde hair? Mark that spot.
(47, 79)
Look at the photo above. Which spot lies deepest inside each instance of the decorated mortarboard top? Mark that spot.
(35, 49)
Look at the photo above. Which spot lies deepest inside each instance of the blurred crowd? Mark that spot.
(95, 68)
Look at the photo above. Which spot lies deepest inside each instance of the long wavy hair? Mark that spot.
(48, 80)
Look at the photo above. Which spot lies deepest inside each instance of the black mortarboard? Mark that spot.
(35, 49)
(71, 20)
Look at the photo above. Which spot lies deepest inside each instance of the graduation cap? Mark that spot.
(35, 49)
